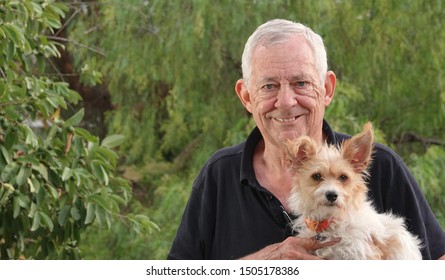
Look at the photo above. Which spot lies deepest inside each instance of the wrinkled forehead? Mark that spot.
(292, 57)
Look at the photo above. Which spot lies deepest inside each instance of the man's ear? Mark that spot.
(243, 93)
(358, 149)
(329, 85)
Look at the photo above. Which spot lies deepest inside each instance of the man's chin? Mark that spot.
(290, 135)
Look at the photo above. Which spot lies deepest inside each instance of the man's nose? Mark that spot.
(285, 97)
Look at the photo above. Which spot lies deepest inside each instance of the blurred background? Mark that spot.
(161, 73)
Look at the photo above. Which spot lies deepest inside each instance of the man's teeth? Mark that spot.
(286, 120)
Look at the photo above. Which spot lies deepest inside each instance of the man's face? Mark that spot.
(285, 94)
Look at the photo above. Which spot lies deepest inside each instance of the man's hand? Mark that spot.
(293, 248)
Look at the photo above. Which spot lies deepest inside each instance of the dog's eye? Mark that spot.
(343, 178)
(316, 176)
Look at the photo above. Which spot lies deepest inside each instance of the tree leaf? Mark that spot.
(105, 175)
(23, 175)
(40, 197)
(46, 221)
(86, 134)
(36, 221)
(108, 219)
(75, 119)
(99, 172)
(32, 210)
(34, 8)
(15, 34)
(103, 203)
(75, 213)
(16, 206)
(32, 188)
(108, 156)
(42, 170)
(31, 137)
(23, 200)
(53, 101)
(100, 215)
(5, 191)
(63, 215)
(67, 173)
(113, 141)
(53, 22)
(10, 139)
(6, 154)
(52, 132)
(58, 9)
(10, 171)
(52, 191)
(91, 213)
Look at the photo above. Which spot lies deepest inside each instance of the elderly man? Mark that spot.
(238, 206)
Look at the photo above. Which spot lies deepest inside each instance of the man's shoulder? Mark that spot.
(226, 160)
(226, 153)
(383, 152)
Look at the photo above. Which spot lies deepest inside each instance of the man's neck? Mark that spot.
(272, 172)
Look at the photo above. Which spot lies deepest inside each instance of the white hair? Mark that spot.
(279, 31)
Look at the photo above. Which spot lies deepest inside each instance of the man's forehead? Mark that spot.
(303, 76)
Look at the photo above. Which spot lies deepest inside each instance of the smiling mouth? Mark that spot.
(286, 120)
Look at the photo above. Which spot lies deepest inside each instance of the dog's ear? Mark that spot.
(301, 149)
(358, 149)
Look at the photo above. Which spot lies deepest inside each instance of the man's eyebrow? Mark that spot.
(268, 79)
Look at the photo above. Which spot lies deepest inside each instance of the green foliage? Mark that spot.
(148, 64)
(56, 178)
(171, 66)
(428, 170)
(392, 51)
(166, 211)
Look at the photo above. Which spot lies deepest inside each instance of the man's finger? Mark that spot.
(314, 244)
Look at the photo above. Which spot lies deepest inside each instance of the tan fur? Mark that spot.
(384, 247)
(321, 171)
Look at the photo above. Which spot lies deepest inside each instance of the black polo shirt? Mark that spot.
(230, 215)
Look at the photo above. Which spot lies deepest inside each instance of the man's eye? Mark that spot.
(303, 87)
(268, 86)
(301, 84)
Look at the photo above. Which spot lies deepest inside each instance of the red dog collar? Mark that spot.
(318, 226)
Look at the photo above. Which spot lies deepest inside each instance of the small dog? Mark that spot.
(330, 195)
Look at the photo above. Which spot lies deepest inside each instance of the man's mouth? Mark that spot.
(286, 119)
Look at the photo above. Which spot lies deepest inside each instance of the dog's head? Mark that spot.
(329, 181)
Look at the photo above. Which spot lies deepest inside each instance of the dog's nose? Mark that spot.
(331, 196)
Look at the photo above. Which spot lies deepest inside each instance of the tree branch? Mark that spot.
(410, 137)
(93, 49)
